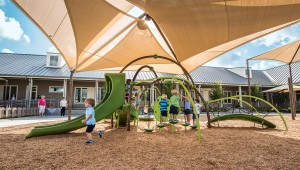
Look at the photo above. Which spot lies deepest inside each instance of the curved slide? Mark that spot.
(250, 118)
(113, 99)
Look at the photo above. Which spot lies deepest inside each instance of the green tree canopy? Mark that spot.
(216, 92)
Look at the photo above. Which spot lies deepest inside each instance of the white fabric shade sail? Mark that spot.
(283, 88)
(99, 34)
(288, 53)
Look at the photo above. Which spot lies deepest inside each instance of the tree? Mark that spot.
(257, 92)
(216, 92)
(167, 87)
(280, 99)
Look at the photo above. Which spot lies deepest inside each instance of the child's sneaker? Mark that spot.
(171, 120)
(89, 142)
(100, 134)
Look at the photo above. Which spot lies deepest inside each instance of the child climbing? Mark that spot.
(127, 89)
(163, 108)
(187, 110)
(198, 110)
(175, 99)
(90, 120)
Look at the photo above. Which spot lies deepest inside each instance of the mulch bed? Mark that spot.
(232, 145)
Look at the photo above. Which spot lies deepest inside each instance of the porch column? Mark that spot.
(96, 91)
(240, 96)
(65, 88)
(199, 89)
(221, 103)
(177, 86)
(5, 93)
(152, 93)
(30, 91)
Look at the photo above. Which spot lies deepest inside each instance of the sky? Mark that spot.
(18, 34)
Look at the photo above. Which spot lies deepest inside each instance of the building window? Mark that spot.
(11, 92)
(53, 61)
(101, 93)
(227, 94)
(33, 92)
(297, 96)
(80, 94)
(56, 89)
(265, 96)
(238, 93)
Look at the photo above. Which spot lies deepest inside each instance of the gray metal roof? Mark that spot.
(281, 73)
(211, 75)
(12, 64)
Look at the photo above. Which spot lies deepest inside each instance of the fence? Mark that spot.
(20, 108)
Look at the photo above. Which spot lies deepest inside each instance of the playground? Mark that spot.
(232, 145)
(113, 38)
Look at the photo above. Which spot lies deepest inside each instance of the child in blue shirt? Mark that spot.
(90, 120)
(163, 108)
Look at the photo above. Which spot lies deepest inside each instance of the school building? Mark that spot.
(29, 76)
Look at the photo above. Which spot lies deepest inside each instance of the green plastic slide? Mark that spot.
(113, 99)
(250, 118)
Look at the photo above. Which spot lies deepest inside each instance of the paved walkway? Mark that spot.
(33, 119)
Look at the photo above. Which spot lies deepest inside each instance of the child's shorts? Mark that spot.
(187, 111)
(194, 116)
(164, 113)
(90, 128)
(173, 110)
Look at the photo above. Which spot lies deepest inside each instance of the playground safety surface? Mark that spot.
(232, 145)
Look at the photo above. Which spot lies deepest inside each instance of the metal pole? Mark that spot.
(71, 95)
(249, 86)
(291, 93)
(291, 90)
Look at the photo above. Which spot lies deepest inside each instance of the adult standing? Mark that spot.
(63, 106)
(42, 105)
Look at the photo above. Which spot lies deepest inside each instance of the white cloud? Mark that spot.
(263, 65)
(11, 29)
(241, 52)
(2, 2)
(6, 50)
(26, 38)
(279, 37)
(53, 50)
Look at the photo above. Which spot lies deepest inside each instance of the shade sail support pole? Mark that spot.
(249, 85)
(71, 95)
(291, 89)
(163, 36)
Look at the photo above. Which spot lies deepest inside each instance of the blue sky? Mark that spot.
(19, 35)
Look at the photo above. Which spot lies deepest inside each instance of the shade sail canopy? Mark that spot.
(288, 53)
(99, 34)
(283, 88)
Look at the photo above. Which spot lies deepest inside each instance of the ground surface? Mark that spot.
(232, 145)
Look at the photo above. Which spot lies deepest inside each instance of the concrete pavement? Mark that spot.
(32, 119)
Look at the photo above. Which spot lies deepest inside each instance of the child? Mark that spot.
(63, 104)
(187, 110)
(127, 89)
(90, 120)
(175, 99)
(163, 108)
(42, 105)
(198, 110)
